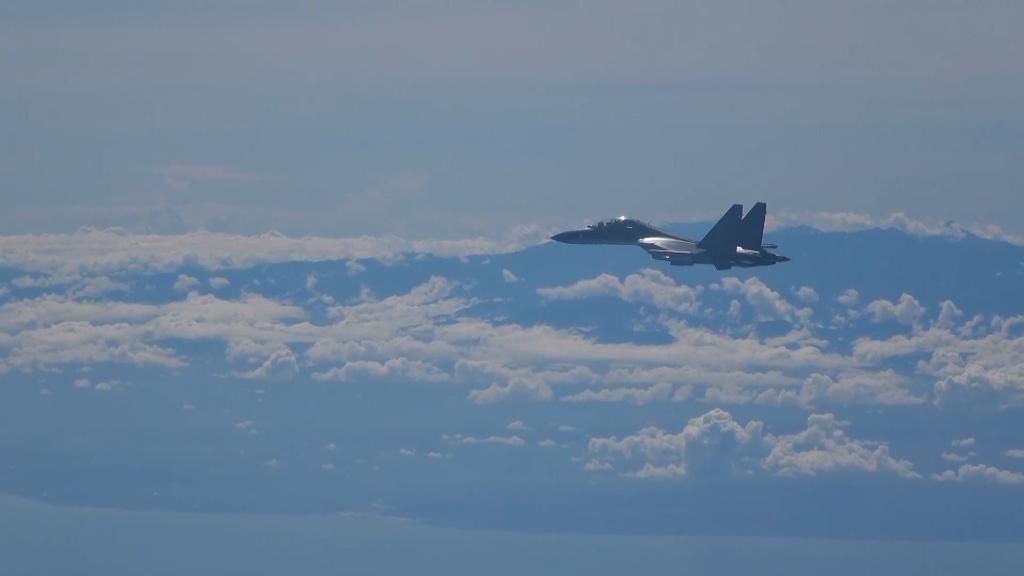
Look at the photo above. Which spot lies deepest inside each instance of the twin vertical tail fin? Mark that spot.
(752, 227)
(725, 235)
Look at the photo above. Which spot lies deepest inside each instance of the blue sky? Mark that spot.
(347, 118)
(286, 265)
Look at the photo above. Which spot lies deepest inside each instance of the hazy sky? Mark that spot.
(430, 120)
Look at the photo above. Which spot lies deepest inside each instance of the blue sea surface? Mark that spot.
(39, 538)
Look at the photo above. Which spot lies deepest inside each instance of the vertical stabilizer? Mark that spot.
(752, 227)
(725, 235)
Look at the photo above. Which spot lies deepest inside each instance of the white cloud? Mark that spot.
(824, 447)
(395, 368)
(508, 276)
(852, 221)
(474, 440)
(849, 297)
(973, 357)
(638, 396)
(806, 294)
(354, 268)
(715, 444)
(280, 364)
(647, 287)
(882, 387)
(907, 311)
(767, 303)
(949, 314)
(963, 442)
(517, 425)
(1014, 453)
(185, 282)
(508, 382)
(980, 473)
(93, 251)
(218, 282)
(594, 465)
(954, 457)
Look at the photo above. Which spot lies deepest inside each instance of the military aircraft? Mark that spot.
(733, 241)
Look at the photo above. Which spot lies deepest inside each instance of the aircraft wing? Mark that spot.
(673, 250)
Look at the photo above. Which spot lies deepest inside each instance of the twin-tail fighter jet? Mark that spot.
(734, 241)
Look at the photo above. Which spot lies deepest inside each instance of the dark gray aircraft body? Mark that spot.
(733, 241)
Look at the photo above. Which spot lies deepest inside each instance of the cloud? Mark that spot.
(91, 251)
(508, 276)
(882, 387)
(824, 447)
(973, 357)
(393, 369)
(646, 287)
(217, 282)
(517, 425)
(185, 282)
(963, 442)
(980, 473)
(949, 314)
(639, 396)
(511, 440)
(806, 294)
(280, 364)
(849, 297)
(853, 221)
(1014, 453)
(907, 311)
(767, 303)
(716, 444)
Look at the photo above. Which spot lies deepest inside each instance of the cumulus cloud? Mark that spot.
(767, 303)
(949, 314)
(185, 282)
(393, 369)
(824, 446)
(906, 311)
(980, 473)
(649, 286)
(218, 282)
(806, 294)
(974, 357)
(849, 297)
(715, 444)
(639, 396)
(880, 387)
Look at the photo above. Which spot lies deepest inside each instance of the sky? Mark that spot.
(276, 276)
(378, 117)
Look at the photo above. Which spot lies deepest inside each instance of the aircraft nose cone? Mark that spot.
(566, 237)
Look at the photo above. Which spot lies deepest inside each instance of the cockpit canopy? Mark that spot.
(617, 222)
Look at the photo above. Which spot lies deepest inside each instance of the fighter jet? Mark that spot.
(731, 242)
